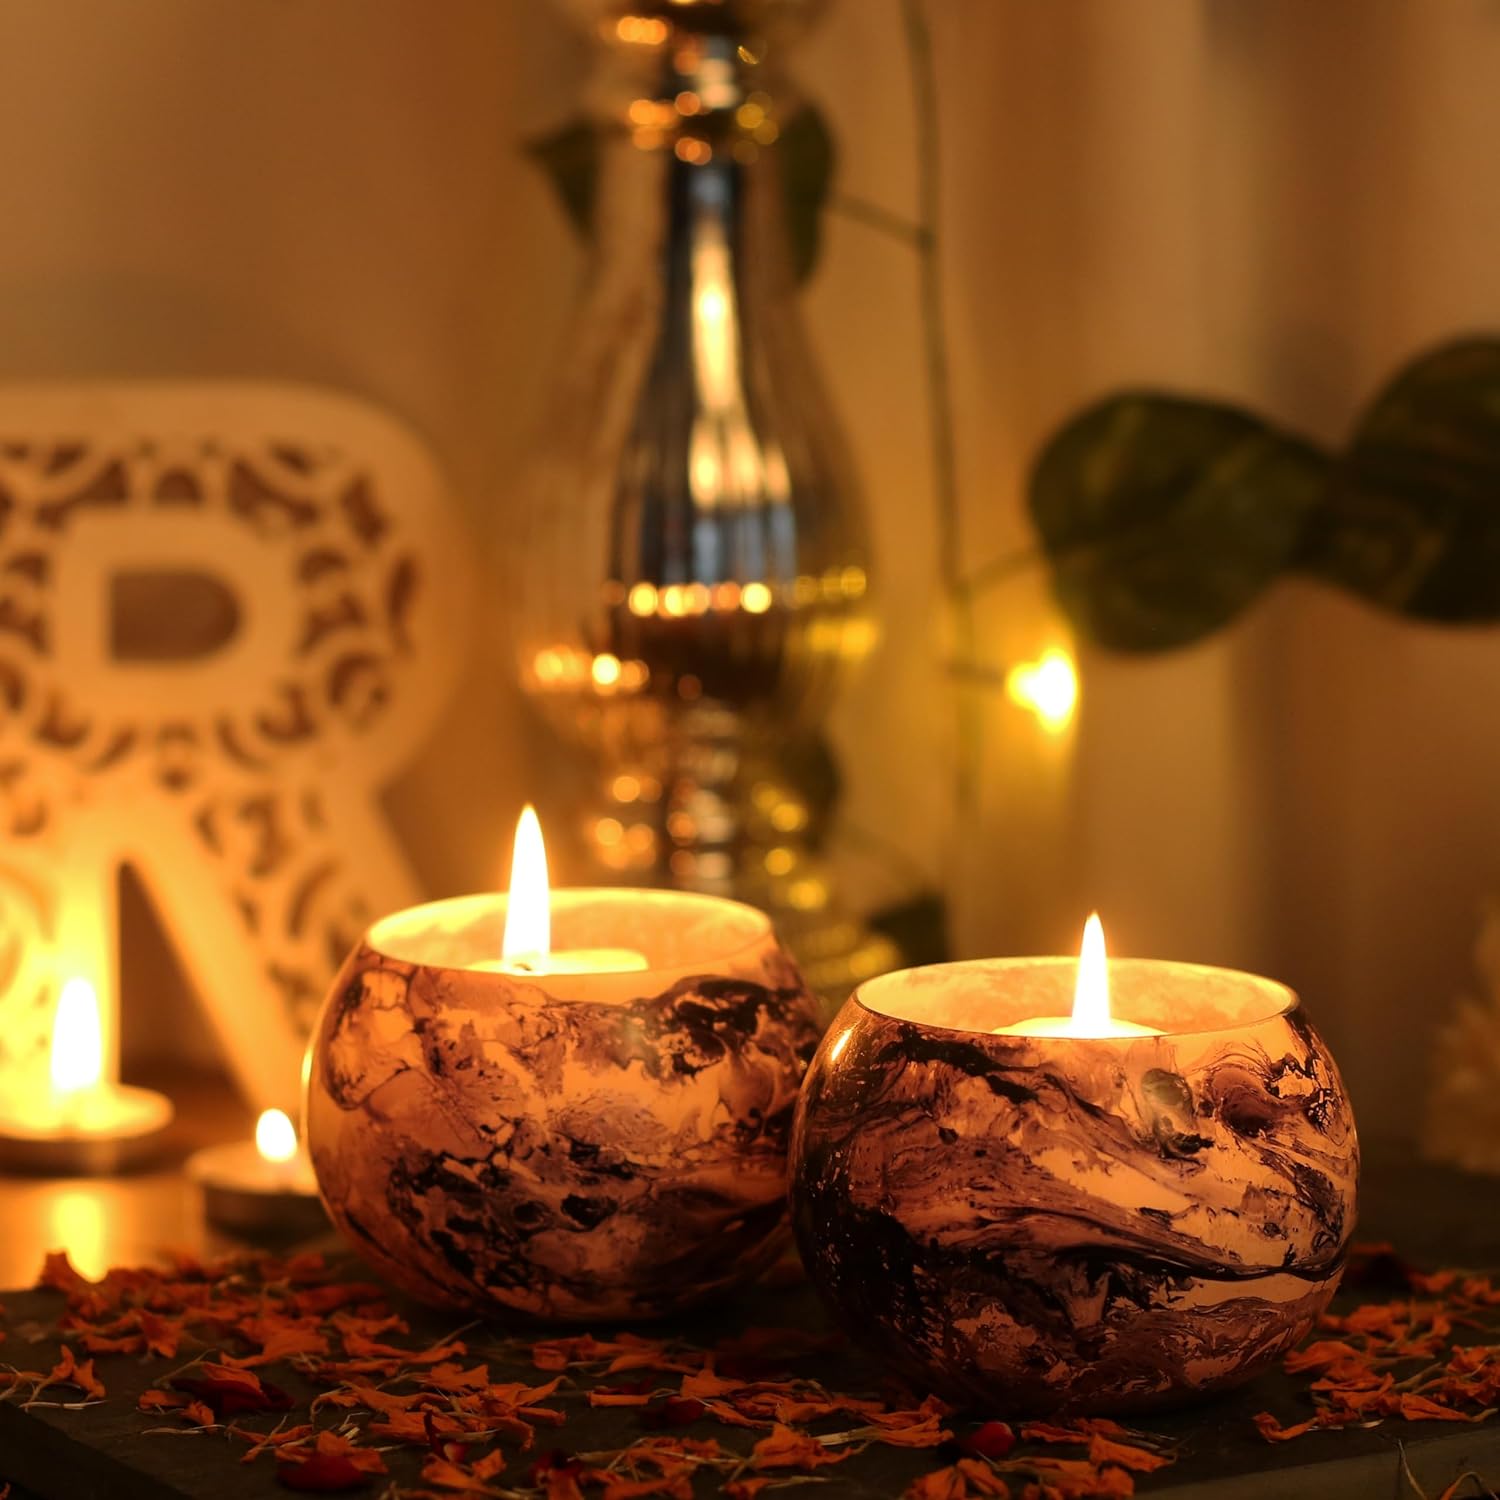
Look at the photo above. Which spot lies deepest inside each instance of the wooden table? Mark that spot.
(1435, 1216)
(105, 1221)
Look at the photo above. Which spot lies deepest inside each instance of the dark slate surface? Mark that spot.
(1435, 1217)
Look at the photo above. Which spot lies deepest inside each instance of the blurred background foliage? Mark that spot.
(1163, 517)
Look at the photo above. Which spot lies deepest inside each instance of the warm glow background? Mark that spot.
(1273, 200)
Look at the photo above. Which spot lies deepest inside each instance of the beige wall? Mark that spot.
(1268, 198)
(1277, 202)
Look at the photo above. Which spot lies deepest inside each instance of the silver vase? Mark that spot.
(692, 580)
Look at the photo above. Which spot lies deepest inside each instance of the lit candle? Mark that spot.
(1075, 1208)
(79, 1122)
(261, 1188)
(1091, 1015)
(589, 1123)
(526, 947)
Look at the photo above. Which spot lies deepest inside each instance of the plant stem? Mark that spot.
(939, 385)
(873, 216)
(929, 199)
(985, 673)
(1000, 568)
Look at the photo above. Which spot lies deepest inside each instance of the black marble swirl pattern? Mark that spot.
(1033, 1226)
(484, 1144)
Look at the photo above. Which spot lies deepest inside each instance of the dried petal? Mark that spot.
(283, 1343)
(67, 1371)
(128, 1343)
(942, 1484)
(260, 1441)
(785, 1449)
(160, 1400)
(471, 1480)
(162, 1335)
(1273, 1432)
(1051, 1432)
(448, 1376)
(334, 1463)
(362, 1347)
(228, 1390)
(607, 1396)
(669, 1486)
(982, 1479)
(672, 1411)
(58, 1273)
(737, 1489)
(1103, 1450)
(1422, 1409)
(1074, 1478)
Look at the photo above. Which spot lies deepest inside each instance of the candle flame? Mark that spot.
(528, 921)
(77, 1039)
(275, 1138)
(1091, 1016)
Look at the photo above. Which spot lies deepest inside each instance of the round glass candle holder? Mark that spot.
(1035, 1224)
(570, 1145)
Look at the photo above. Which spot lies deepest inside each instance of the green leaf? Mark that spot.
(1412, 518)
(807, 165)
(570, 158)
(1164, 517)
(807, 764)
(918, 926)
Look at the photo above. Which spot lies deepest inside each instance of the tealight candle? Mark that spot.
(263, 1188)
(1091, 1013)
(526, 947)
(1036, 1212)
(592, 1125)
(78, 1122)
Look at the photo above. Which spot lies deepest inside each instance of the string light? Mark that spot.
(1047, 688)
(642, 31)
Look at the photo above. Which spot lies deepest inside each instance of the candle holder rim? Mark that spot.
(1180, 968)
(761, 924)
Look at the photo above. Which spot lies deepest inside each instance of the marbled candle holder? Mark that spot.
(1036, 1224)
(565, 1146)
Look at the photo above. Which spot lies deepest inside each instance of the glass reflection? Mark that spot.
(692, 577)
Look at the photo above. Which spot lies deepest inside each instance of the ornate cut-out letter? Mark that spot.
(222, 631)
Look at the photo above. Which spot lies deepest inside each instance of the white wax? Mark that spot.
(239, 1167)
(567, 961)
(104, 1111)
(1066, 1026)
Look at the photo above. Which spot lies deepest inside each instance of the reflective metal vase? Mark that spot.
(692, 575)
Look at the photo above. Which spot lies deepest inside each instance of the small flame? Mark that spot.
(275, 1138)
(1091, 1015)
(77, 1039)
(528, 921)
